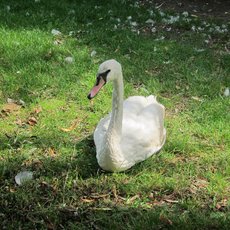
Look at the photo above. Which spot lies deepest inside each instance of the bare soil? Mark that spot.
(212, 9)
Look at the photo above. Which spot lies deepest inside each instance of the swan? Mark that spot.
(133, 131)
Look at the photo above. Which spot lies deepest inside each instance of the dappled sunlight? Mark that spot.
(49, 58)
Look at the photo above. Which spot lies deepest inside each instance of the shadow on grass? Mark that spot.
(118, 217)
(45, 161)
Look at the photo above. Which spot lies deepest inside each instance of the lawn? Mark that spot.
(49, 55)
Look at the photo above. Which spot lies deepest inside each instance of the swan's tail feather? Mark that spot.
(152, 99)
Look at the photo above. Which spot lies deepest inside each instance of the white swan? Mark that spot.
(135, 128)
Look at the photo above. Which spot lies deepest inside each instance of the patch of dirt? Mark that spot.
(212, 9)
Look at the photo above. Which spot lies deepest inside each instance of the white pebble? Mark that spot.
(93, 53)
(55, 32)
(149, 21)
(71, 33)
(69, 60)
(185, 14)
(154, 30)
(227, 92)
(133, 23)
(22, 177)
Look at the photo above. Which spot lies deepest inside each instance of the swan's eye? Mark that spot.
(103, 76)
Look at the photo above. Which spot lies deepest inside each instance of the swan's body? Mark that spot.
(133, 131)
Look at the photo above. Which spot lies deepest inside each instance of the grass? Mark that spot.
(186, 186)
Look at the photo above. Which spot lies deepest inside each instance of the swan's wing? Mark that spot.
(134, 105)
(143, 130)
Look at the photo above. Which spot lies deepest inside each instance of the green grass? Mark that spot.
(185, 186)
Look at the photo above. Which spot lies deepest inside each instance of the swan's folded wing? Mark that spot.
(143, 134)
(133, 105)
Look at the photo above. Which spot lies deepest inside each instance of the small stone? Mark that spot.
(93, 53)
(55, 32)
(23, 176)
(149, 21)
(227, 92)
(69, 60)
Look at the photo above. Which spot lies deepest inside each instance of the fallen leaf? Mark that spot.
(133, 198)
(38, 110)
(19, 122)
(114, 190)
(58, 42)
(222, 204)
(12, 190)
(171, 201)
(72, 127)
(158, 203)
(32, 121)
(196, 98)
(201, 183)
(101, 209)
(198, 184)
(51, 152)
(86, 200)
(10, 107)
(98, 196)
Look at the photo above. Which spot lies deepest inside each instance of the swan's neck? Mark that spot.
(115, 126)
(112, 158)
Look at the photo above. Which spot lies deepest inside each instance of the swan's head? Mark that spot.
(108, 71)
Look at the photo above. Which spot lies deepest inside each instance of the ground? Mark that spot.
(49, 57)
(219, 9)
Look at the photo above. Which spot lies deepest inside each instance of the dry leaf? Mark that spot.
(72, 127)
(151, 195)
(19, 122)
(32, 121)
(201, 183)
(196, 98)
(86, 200)
(171, 201)
(222, 204)
(101, 209)
(51, 152)
(158, 203)
(58, 42)
(10, 107)
(98, 196)
(37, 110)
(114, 190)
(197, 185)
(12, 190)
(133, 198)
